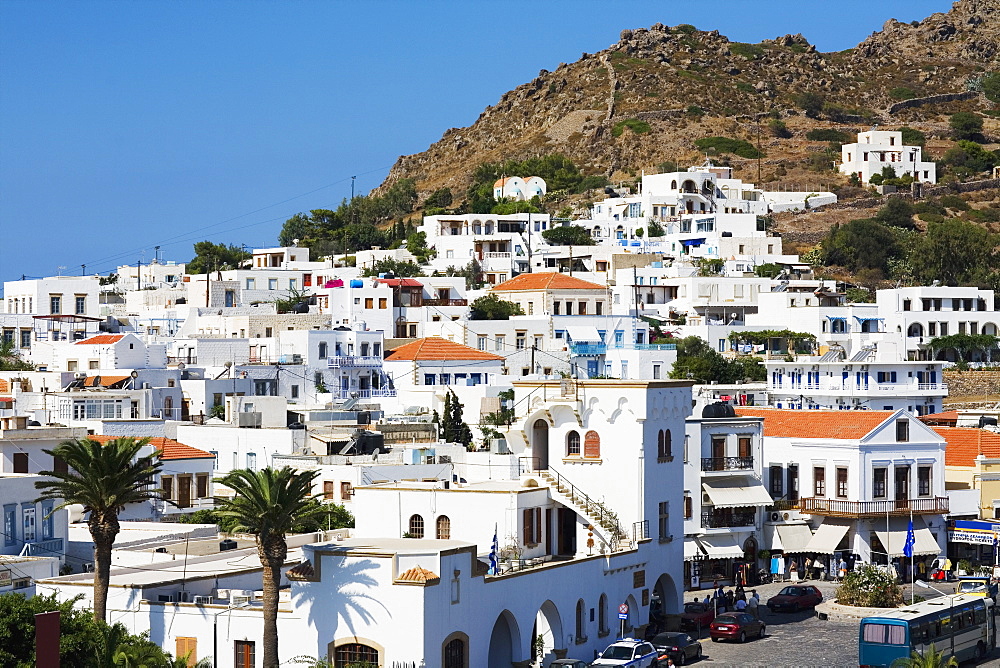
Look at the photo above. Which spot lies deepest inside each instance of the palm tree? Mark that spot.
(103, 478)
(932, 658)
(268, 503)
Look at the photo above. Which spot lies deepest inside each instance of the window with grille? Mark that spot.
(444, 527)
(819, 480)
(354, 654)
(454, 654)
(775, 477)
(245, 654)
(573, 443)
(328, 490)
(416, 526)
(664, 524)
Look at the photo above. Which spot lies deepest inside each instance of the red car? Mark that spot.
(736, 626)
(794, 598)
(697, 615)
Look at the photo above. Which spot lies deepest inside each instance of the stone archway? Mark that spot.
(505, 642)
(668, 594)
(540, 444)
(548, 625)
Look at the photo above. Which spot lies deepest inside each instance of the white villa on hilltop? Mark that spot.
(877, 149)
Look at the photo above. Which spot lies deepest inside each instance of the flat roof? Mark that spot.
(506, 486)
(392, 545)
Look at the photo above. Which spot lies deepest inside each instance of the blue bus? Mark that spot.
(962, 626)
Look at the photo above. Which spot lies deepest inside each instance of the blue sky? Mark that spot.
(126, 125)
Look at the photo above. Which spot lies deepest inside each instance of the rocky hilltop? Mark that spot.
(685, 83)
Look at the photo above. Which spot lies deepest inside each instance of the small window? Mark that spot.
(443, 528)
(819, 480)
(355, 654)
(20, 462)
(245, 654)
(842, 483)
(902, 431)
(879, 477)
(776, 478)
(328, 490)
(346, 491)
(573, 443)
(416, 526)
(924, 480)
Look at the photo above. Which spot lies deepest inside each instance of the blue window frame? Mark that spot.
(10, 524)
(48, 520)
(430, 379)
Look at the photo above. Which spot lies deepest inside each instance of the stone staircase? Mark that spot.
(605, 522)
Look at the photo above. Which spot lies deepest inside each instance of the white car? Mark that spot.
(628, 652)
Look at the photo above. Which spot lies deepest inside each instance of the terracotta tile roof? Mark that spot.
(418, 575)
(964, 444)
(944, 418)
(401, 282)
(101, 339)
(303, 571)
(168, 447)
(783, 423)
(436, 348)
(106, 381)
(546, 281)
(4, 386)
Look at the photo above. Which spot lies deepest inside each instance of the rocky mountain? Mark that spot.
(684, 83)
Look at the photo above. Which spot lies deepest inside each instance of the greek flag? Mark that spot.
(910, 540)
(494, 549)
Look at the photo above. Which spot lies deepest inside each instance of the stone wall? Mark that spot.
(932, 99)
(972, 383)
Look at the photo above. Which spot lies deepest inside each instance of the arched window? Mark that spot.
(664, 449)
(416, 526)
(581, 621)
(602, 616)
(444, 527)
(454, 654)
(916, 329)
(673, 184)
(573, 443)
(355, 654)
(322, 350)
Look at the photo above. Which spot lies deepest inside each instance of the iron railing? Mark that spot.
(861, 509)
(737, 517)
(726, 463)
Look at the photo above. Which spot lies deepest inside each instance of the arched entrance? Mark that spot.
(540, 444)
(504, 641)
(548, 625)
(665, 591)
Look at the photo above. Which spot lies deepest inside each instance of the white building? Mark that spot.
(877, 149)
(856, 481)
(518, 189)
(917, 315)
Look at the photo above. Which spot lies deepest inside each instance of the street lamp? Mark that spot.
(951, 606)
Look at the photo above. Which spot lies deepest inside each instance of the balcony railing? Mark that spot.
(339, 361)
(588, 349)
(446, 302)
(863, 509)
(364, 394)
(51, 547)
(726, 463)
(737, 517)
(186, 359)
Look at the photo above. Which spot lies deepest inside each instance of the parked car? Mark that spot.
(678, 646)
(630, 652)
(696, 614)
(794, 598)
(568, 663)
(736, 626)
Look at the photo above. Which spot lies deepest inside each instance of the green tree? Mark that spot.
(441, 197)
(655, 229)
(912, 137)
(969, 157)
(399, 268)
(104, 479)
(966, 125)
(211, 257)
(954, 252)
(472, 273)
(778, 129)
(931, 658)
(10, 357)
(567, 235)
(870, 587)
(507, 207)
(416, 244)
(965, 345)
(896, 212)
(491, 307)
(453, 426)
(990, 85)
(810, 102)
(767, 270)
(78, 632)
(860, 244)
(268, 503)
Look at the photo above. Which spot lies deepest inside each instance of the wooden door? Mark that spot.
(184, 491)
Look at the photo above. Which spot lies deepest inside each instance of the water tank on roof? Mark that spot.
(301, 307)
(357, 283)
(718, 410)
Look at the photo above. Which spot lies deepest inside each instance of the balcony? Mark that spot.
(588, 348)
(873, 509)
(726, 463)
(722, 518)
(446, 302)
(346, 361)
(370, 393)
(49, 547)
(185, 359)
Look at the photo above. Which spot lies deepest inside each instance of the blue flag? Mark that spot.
(910, 540)
(494, 548)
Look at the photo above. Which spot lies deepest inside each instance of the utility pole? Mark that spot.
(138, 274)
(352, 187)
(83, 270)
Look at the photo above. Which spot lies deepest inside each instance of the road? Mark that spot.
(799, 640)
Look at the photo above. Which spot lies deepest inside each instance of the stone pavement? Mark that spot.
(798, 640)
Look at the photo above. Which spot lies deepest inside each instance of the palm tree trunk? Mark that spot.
(103, 530)
(272, 578)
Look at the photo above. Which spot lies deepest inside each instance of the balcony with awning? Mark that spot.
(873, 509)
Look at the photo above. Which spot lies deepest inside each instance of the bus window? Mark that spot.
(920, 633)
(980, 614)
(874, 633)
(897, 635)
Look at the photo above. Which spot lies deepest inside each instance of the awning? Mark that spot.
(692, 550)
(736, 492)
(692, 242)
(794, 537)
(836, 317)
(859, 319)
(924, 541)
(584, 334)
(827, 538)
(722, 546)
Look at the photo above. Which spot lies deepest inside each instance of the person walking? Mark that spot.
(807, 571)
(753, 604)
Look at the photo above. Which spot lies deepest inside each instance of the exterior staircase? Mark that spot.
(604, 521)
